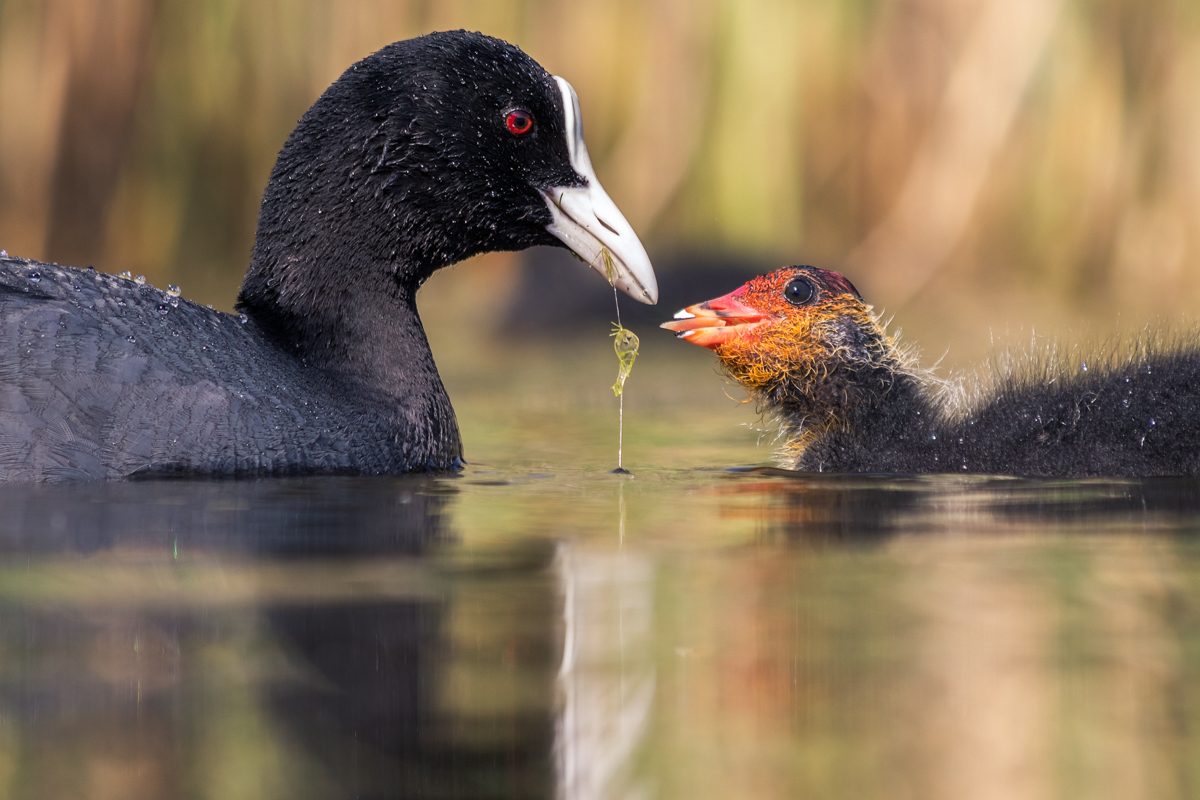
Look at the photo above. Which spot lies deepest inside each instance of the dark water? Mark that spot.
(519, 632)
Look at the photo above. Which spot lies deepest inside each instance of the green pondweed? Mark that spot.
(610, 271)
(625, 343)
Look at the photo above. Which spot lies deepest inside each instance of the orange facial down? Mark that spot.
(784, 334)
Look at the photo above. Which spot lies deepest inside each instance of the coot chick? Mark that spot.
(850, 399)
(423, 154)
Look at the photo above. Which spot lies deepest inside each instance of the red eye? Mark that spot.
(519, 122)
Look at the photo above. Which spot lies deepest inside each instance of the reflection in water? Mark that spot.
(842, 508)
(684, 634)
(292, 517)
(1041, 628)
(186, 680)
(607, 674)
(982, 695)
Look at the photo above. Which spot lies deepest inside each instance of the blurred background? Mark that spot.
(980, 168)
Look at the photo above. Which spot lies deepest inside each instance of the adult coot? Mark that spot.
(850, 399)
(427, 152)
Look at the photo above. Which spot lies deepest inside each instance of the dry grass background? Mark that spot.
(979, 167)
(976, 166)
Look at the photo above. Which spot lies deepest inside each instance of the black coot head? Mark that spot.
(430, 151)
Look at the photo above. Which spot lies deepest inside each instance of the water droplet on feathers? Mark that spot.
(35, 277)
(172, 290)
(126, 274)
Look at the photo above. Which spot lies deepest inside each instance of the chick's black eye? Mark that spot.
(519, 122)
(799, 292)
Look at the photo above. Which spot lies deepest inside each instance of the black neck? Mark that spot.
(863, 400)
(365, 332)
(366, 328)
(884, 425)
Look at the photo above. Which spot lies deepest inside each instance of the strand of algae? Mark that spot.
(625, 344)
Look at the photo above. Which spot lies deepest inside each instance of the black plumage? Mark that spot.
(1133, 414)
(417, 157)
(850, 399)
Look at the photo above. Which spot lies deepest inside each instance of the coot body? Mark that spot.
(850, 399)
(103, 377)
(427, 152)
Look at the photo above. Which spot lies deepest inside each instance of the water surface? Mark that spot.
(540, 627)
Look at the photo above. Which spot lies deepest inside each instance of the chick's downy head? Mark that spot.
(787, 336)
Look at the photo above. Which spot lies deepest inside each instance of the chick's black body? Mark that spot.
(402, 167)
(1136, 418)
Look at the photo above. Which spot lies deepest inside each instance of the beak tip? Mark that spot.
(637, 282)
